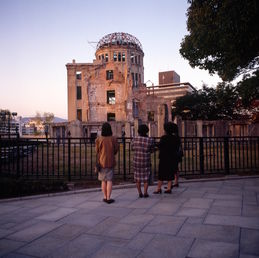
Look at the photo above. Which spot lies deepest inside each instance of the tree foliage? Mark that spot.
(223, 36)
(208, 103)
(47, 117)
(248, 89)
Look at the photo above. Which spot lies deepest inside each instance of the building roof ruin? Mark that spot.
(119, 38)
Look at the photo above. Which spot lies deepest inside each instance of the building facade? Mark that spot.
(105, 90)
(112, 89)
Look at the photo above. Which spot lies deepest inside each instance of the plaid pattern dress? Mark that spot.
(142, 147)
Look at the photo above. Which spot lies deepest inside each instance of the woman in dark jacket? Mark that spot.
(168, 157)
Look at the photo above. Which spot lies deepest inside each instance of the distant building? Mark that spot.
(168, 77)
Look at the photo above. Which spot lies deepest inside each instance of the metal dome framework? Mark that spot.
(119, 38)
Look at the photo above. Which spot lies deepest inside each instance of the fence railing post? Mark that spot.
(18, 157)
(47, 148)
(69, 159)
(124, 158)
(226, 154)
(201, 153)
(1, 153)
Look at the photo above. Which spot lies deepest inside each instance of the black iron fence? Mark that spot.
(74, 158)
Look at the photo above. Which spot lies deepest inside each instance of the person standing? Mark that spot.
(179, 157)
(106, 148)
(168, 157)
(142, 146)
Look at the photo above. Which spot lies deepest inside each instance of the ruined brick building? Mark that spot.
(112, 88)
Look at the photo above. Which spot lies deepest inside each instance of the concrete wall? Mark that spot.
(168, 77)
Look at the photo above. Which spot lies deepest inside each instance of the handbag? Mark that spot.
(180, 154)
(98, 166)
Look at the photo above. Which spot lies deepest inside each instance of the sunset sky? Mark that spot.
(38, 38)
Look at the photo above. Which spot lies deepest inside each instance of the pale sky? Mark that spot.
(38, 38)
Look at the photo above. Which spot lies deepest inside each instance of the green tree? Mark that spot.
(48, 117)
(248, 89)
(223, 36)
(38, 118)
(208, 103)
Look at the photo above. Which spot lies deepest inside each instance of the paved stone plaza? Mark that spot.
(199, 219)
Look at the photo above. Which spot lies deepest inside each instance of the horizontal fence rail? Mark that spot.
(75, 158)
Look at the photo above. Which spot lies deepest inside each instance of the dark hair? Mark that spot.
(106, 129)
(143, 130)
(171, 128)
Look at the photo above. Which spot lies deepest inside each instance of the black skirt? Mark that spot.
(167, 169)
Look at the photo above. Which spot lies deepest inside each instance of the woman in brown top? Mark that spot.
(106, 148)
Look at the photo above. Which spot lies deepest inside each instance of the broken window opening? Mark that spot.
(135, 109)
(151, 116)
(115, 56)
(111, 97)
(119, 56)
(136, 80)
(111, 117)
(109, 74)
(106, 57)
(133, 79)
(102, 56)
(78, 75)
(79, 114)
(132, 58)
(78, 92)
(136, 59)
(123, 57)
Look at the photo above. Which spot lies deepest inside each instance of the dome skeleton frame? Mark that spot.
(119, 38)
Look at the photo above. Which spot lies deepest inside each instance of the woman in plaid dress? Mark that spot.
(142, 147)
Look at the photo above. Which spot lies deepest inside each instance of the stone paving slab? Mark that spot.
(163, 246)
(164, 208)
(115, 252)
(7, 245)
(82, 246)
(240, 221)
(32, 232)
(191, 212)
(221, 210)
(247, 256)
(213, 249)
(56, 214)
(141, 241)
(67, 232)
(249, 241)
(42, 247)
(199, 219)
(228, 234)
(200, 203)
(227, 203)
(165, 225)
(123, 231)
